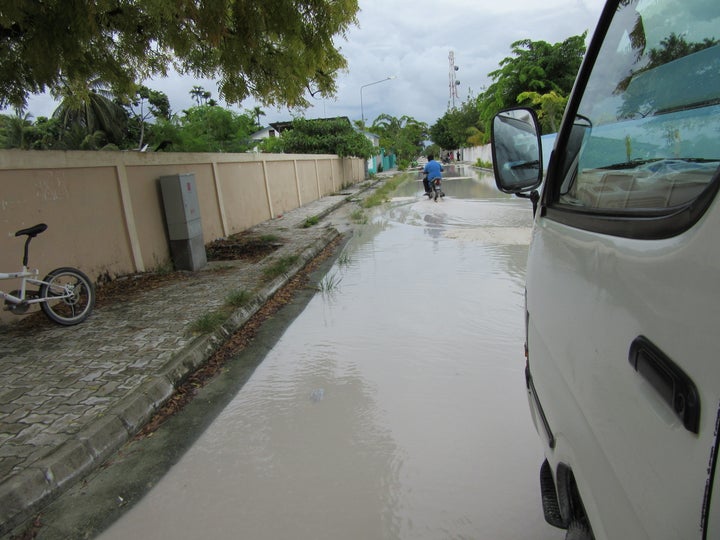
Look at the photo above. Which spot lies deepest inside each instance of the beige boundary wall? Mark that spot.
(104, 209)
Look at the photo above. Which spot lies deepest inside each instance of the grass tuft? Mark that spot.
(238, 298)
(330, 282)
(280, 267)
(208, 323)
(310, 221)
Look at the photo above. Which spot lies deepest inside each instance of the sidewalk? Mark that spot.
(71, 396)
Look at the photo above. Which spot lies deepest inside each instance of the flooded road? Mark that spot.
(393, 407)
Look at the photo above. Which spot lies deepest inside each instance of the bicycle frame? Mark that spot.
(27, 276)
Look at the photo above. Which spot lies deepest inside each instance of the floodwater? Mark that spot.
(393, 407)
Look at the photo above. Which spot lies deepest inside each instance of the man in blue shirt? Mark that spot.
(432, 170)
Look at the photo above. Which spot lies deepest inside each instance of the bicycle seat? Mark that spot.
(33, 231)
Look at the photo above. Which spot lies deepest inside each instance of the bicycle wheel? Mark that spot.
(68, 295)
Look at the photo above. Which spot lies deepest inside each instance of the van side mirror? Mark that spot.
(517, 151)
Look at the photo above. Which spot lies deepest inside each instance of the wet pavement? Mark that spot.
(392, 407)
(71, 396)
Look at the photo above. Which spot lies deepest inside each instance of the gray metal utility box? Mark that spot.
(182, 215)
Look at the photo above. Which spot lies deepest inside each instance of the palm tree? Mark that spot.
(197, 93)
(14, 129)
(257, 112)
(92, 108)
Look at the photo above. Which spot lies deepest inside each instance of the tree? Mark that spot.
(536, 67)
(273, 50)
(146, 105)
(205, 129)
(460, 127)
(90, 109)
(326, 136)
(550, 108)
(13, 130)
(405, 136)
(256, 113)
(197, 93)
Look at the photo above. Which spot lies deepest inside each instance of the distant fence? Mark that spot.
(474, 153)
(105, 210)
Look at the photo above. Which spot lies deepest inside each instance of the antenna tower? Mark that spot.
(453, 82)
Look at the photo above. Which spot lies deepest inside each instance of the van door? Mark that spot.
(623, 277)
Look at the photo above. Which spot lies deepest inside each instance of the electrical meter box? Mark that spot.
(182, 215)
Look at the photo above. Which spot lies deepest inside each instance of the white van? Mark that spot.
(623, 277)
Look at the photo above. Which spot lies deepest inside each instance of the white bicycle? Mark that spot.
(66, 295)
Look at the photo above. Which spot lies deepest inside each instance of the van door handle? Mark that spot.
(668, 379)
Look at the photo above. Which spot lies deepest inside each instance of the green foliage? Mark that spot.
(145, 106)
(483, 164)
(538, 74)
(402, 136)
(89, 116)
(274, 50)
(310, 222)
(550, 108)
(206, 129)
(271, 145)
(14, 130)
(326, 136)
(537, 67)
(432, 150)
(457, 125)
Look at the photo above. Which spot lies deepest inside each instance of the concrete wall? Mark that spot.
(105, 212)
(474, 153)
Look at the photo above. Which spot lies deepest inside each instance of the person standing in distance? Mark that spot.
(432, 170)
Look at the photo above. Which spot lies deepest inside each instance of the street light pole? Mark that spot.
(362, 110)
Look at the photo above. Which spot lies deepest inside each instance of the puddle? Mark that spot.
(393, 407)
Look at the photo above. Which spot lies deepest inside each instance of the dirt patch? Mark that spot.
(241, 246)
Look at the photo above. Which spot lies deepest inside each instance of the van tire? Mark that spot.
(579, 530)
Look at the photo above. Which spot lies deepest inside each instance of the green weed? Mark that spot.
(280, 267)
(329, 283)
(310, 221)
(208, 323)
(238, 298)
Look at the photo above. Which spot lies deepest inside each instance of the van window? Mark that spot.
(645, 140)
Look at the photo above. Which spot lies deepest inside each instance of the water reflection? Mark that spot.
(460, 181)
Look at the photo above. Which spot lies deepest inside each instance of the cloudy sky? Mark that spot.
(410, 40)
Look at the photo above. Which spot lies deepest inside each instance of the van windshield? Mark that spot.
(648, 123)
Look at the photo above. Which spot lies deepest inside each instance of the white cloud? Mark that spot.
(412, 40)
